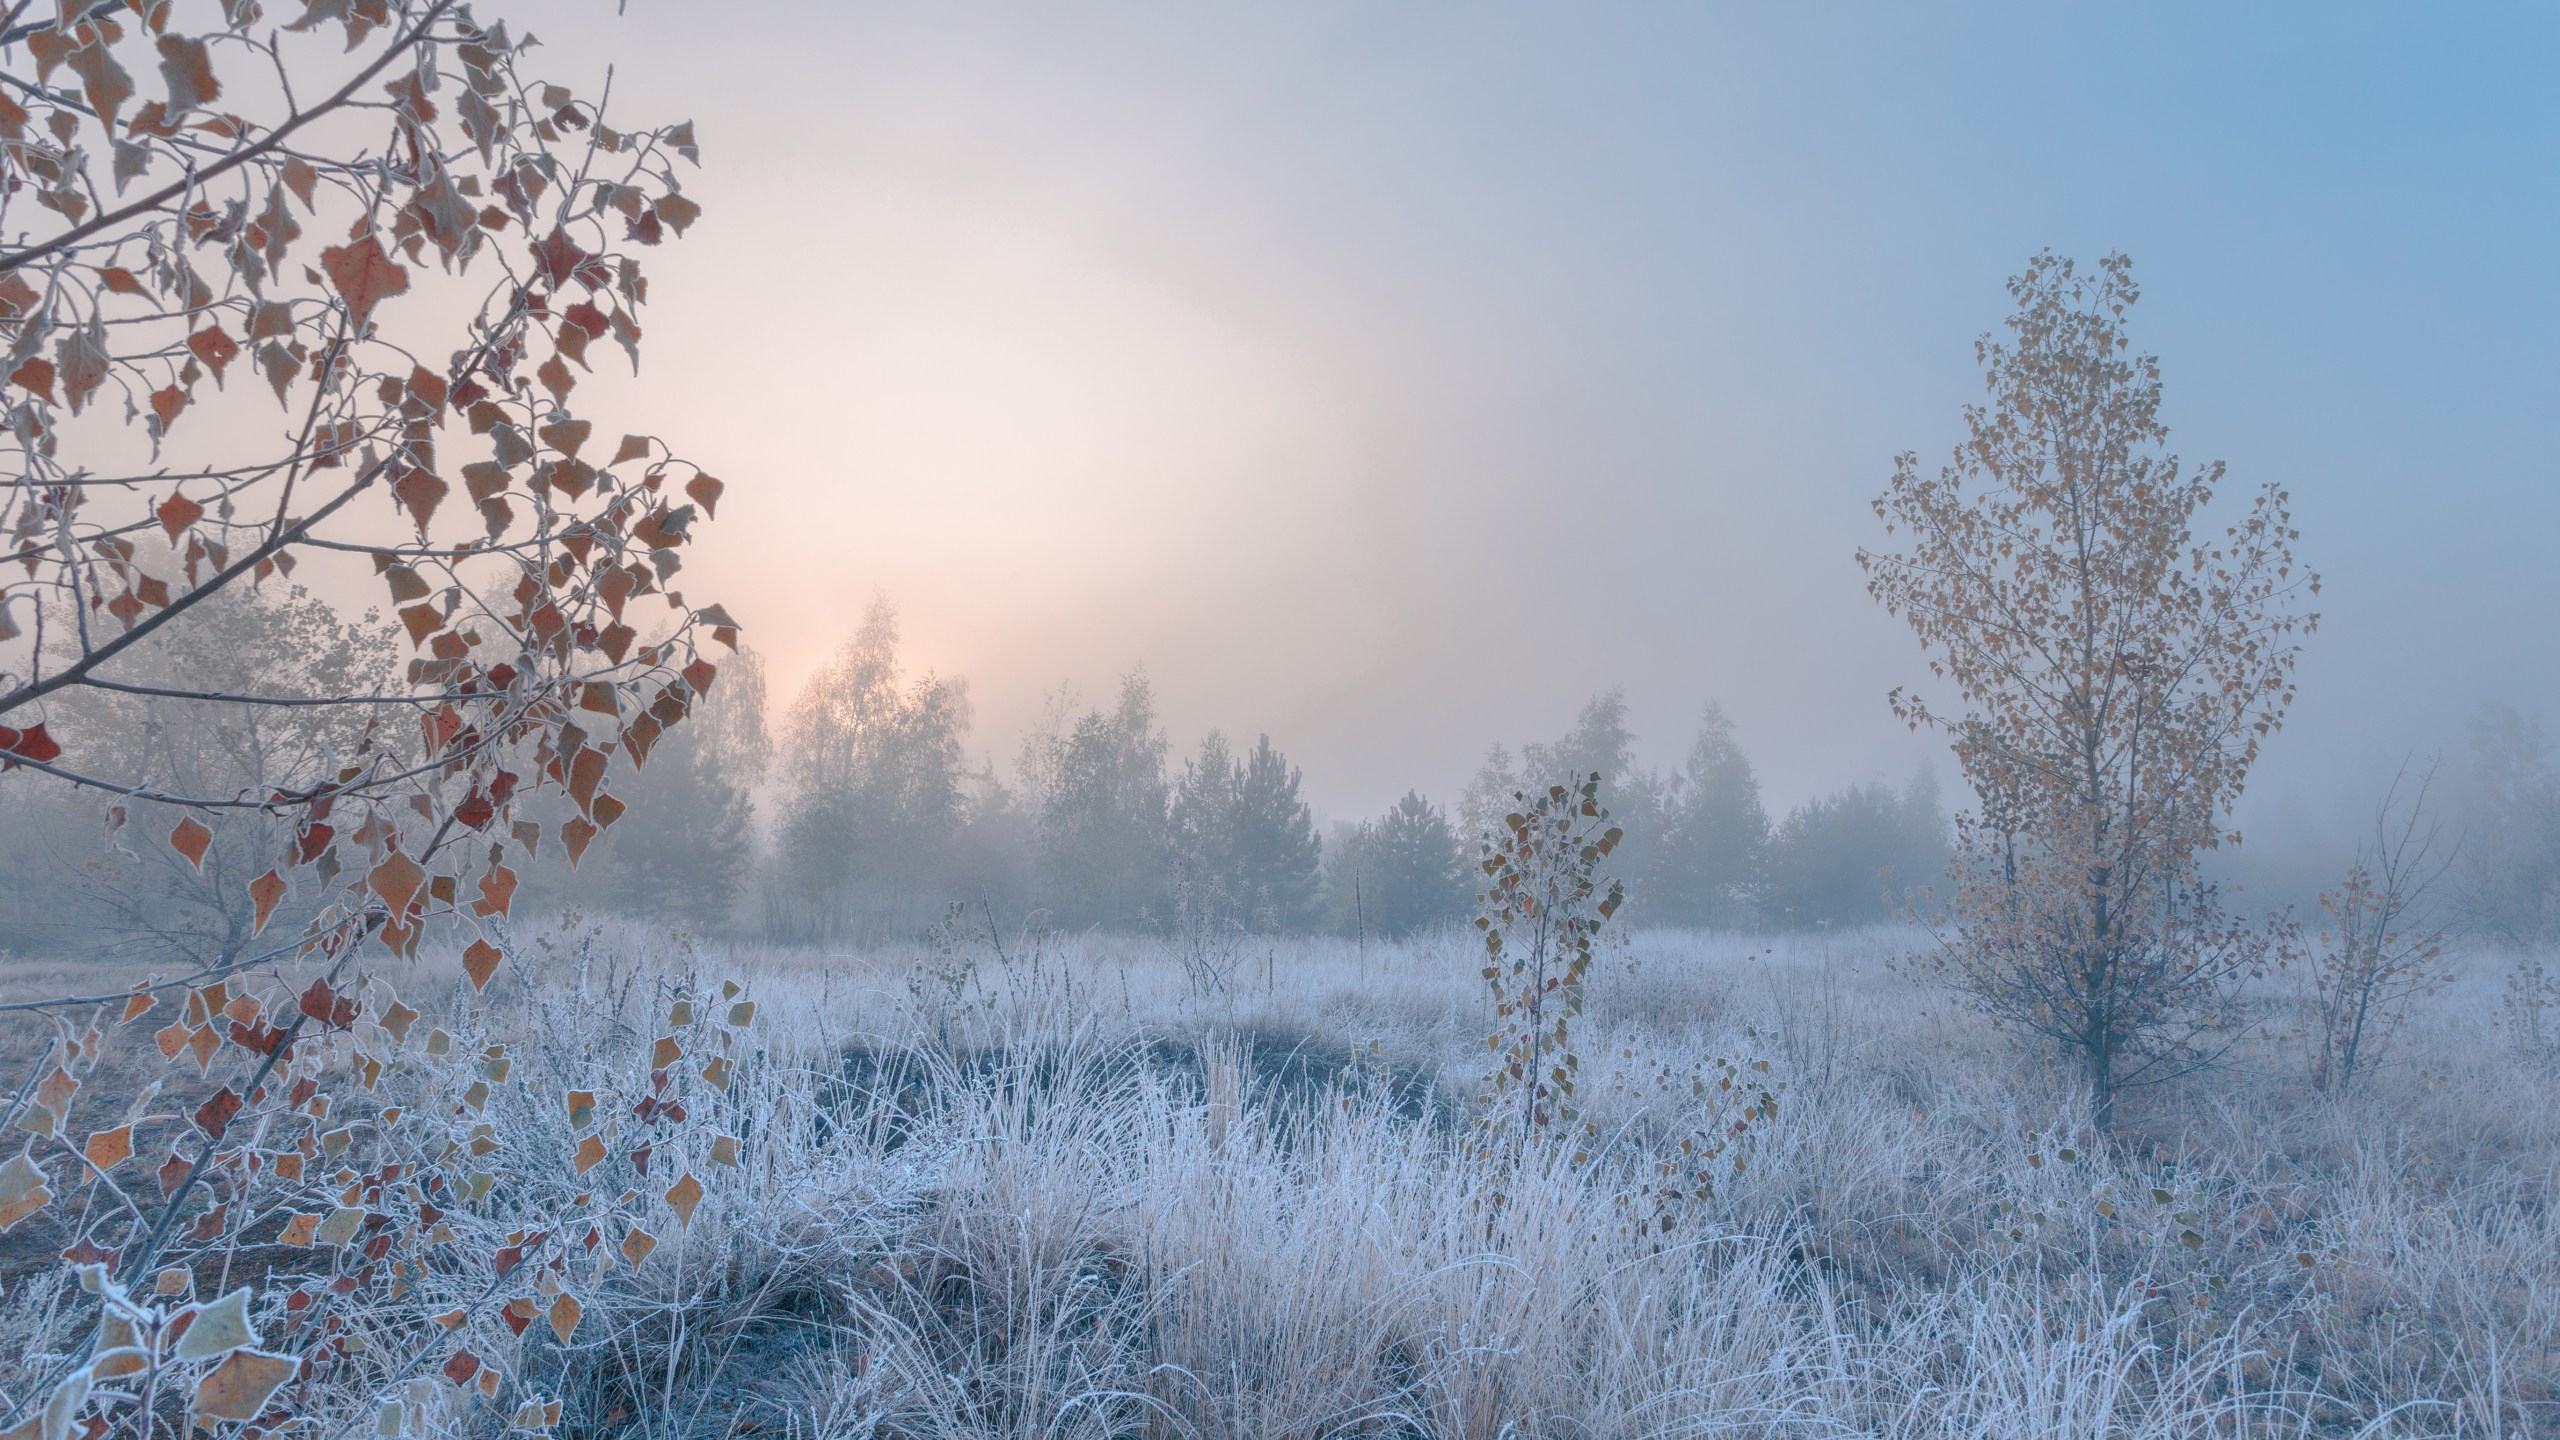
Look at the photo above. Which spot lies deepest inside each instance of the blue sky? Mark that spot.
(1259, 344)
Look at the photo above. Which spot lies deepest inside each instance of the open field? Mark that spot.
(1057, 1189)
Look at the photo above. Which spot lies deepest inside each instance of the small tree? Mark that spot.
(2117, 676)
(1541, 922)
(2382, 947)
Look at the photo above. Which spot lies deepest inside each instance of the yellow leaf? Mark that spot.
(237, 1389)
(22, 1192)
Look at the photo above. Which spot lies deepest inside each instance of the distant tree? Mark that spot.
(993, 858)
(2117, 675)
(1414, 871)
(1706, 865)
(1488, 796)
(1855, 857)
(690, 864)
(1273, 850)
(2509, 876)
(1099, 792)
(873, 785)
(121, 897)
(1201, 816)
(1600, 743)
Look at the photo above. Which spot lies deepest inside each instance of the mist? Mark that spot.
(1248, 347)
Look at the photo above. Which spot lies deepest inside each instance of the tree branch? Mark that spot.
(108, 219)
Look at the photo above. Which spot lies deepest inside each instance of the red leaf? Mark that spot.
(214, 348)
(557, 258)
(214, 1115)
(497, 891)
(35, 375)
(420, 492)
(364, 275)
(705, 490)
(31, 743)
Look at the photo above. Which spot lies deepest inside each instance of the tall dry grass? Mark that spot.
(1006, 1185)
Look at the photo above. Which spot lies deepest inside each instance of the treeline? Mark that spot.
(857, 810)
(877, 819)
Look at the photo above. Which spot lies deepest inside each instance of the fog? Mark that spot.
(1251, 347)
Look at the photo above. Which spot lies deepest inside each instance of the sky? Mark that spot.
(1390, 378)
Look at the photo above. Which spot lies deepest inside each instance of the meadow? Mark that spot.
(1021, 1184)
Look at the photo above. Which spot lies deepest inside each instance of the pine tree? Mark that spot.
(1273, 836)
(1100, 797)
(1415, 874)
(1707, 864)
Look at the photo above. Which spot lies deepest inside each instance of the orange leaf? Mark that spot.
(637, 1245)
(177, 513)
(480, 961)
(564, 1316)
(35, 375)
(634, 447)
(109, 1148)
(683, 1196)
(396, 880)
(190, 840)
(705, 492)
(590, 1154)
(189, 71)
(266, 892)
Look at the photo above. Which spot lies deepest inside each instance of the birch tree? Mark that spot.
(2114, 676)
